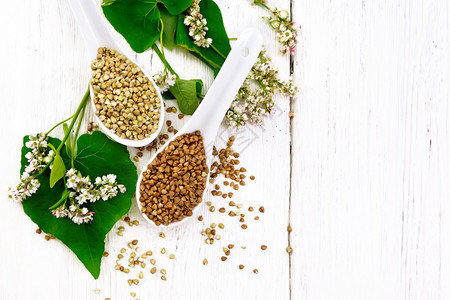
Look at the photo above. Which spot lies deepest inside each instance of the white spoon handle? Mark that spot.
(91, 23)
(210, 113)
(240, 60)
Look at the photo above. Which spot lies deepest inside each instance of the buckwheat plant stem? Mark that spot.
(72, 123)
(218, 52)
(64, 121)
(261, 3)
(66, 136)
(75, 137)
(163, 59)
(161, 41)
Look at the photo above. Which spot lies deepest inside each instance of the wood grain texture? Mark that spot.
(45, 51)
(365, 185)
(369, 204)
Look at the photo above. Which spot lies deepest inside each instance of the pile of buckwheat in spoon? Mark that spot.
(174, 181)
(125, 100)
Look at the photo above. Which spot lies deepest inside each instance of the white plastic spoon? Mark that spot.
(209, 115)
(95, 35)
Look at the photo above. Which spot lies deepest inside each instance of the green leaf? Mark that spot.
(64, 196)
(107, 2)
(97, 156)
(198, 86)
(167, 95)
(58, 170)
(185, 91)
(139, 21)
(170, 25)
(216, 31)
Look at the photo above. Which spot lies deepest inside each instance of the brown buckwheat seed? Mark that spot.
(174, 182)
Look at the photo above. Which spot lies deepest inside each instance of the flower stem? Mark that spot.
(163, 59)
(260, 83)
(77, 113)
(48, 132)
(261, 3)
(74, 117)
(161, 41)
(75, 137)
(218, 52)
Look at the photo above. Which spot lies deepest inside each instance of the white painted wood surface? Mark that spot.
(365, 185)
(370, 181)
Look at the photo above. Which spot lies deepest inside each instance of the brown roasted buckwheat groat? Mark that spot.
(174, 181)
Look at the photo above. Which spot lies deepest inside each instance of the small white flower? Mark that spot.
(28, 156)
(122, 188)
(164, 79)
(283, 14)
(275, 24)
(72, 183)
(60, 212)
(84, 181)
(111, 178)
(77, 220)
(71, 172)
(24, 176)
(197, 25)
(47, 159)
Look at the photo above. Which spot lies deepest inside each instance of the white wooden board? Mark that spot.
(46, 51)
(369, 204)
(365, 184)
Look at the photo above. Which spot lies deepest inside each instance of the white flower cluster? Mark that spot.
(37, 159)
(26, 187)
(250, 104)
(82, 191)
(286, 32)
(164, 80)
(197, 25)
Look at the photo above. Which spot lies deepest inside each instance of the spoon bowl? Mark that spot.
(209, 115)
(95, 35)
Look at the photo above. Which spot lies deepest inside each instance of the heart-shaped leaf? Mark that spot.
(139, 21)
(97, 156)
(185, 91)
(198, 85)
